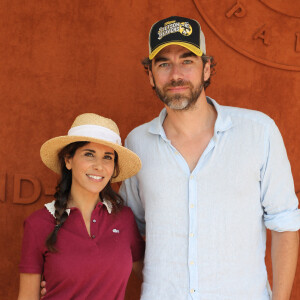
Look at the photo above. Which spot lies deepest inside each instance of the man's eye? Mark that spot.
(163, 65)
(187, 61)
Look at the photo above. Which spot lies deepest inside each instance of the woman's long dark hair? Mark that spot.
(63, 189)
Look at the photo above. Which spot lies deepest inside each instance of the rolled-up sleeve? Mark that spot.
(278, 196)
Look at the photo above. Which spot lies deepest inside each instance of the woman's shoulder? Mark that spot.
(37, 227)
(126, 212)
(42, 215)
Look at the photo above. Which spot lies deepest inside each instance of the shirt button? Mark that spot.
(93, 236)
(191, 262)
(191, 235)
(94, 221)
(192, 291)
(176, 152)
(192, 205)
(192, 177)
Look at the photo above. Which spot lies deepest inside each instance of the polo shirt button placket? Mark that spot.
(93, 225)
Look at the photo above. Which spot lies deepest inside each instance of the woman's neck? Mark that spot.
(85, 202)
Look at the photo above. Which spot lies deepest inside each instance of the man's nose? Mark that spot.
(176, 72)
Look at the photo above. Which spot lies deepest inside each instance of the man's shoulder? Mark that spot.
(238, 114)
(142, 131)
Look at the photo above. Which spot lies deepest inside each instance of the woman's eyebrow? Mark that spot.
(109, 153)
(93, 151)
(90, 150)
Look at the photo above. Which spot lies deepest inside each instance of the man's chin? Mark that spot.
(178, 104)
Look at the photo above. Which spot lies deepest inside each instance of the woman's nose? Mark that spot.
(98, 164)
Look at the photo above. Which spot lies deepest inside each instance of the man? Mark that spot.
(213, 179)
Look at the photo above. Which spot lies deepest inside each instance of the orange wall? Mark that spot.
(60, 58)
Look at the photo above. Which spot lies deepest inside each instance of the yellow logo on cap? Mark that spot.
(172, 27)
(185, 28)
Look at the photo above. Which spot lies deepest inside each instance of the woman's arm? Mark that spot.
(29, 286)
(137, 268)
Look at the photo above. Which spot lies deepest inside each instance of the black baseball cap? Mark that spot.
(176, 31)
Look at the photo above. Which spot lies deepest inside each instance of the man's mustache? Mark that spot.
(179, 82)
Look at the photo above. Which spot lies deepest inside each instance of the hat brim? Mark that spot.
(129, 163)
(190, 47)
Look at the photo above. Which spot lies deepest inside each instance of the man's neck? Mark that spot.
(191, 122)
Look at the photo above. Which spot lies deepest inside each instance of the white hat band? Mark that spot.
(95, 131)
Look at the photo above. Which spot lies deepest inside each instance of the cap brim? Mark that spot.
(190, 47)
(129, 162)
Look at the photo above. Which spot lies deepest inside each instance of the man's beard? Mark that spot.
(180, 101)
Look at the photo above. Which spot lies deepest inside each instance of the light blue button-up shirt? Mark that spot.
(206, 229)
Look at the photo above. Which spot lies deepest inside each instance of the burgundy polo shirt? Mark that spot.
(85, 267)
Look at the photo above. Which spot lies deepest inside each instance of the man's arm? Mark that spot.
(284, 254)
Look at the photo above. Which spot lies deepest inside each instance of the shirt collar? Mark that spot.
(51, 208)
(108, 205)
(223, 121)
(156, 124)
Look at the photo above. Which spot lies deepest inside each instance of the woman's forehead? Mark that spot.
(98, 147)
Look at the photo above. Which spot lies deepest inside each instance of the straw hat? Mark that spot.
(92, 128)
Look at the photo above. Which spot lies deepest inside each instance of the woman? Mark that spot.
(83, 243)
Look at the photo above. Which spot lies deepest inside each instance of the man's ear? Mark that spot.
(151, 79)
(206, 71)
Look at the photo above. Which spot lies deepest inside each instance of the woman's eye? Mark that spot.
(108, 157)
(89, 154)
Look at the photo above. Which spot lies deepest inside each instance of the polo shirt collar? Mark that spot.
(108, 205)
(223, 122)
(51, 208)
